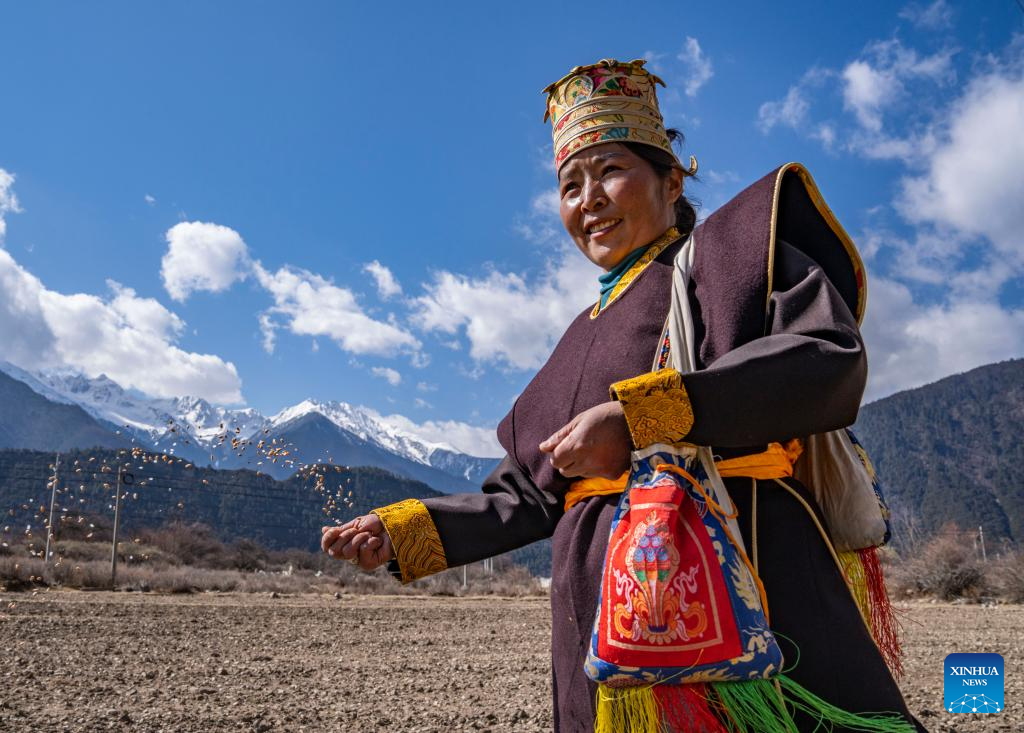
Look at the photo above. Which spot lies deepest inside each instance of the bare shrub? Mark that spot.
(81, 526)
(21, 573)
(189, 544)
(1007, 576)
(945, 567)
(82, 550)
(248, 555)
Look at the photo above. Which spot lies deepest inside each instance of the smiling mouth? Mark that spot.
(602, 227)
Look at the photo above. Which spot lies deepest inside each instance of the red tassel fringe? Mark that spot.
(885, 625)
(687, 708)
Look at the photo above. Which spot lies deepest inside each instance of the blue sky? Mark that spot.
(264, 202)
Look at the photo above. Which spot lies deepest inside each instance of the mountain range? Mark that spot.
(946, 452)
(951, 452)
(223, 438)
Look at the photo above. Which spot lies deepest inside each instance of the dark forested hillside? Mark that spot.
(29, 420)
(239, 504)
(952, 451)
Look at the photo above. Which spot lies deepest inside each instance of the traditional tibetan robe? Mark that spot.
(777, 292)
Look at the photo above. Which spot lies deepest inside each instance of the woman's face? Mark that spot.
(612, 202)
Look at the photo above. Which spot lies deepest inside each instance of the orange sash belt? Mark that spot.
(776, 462)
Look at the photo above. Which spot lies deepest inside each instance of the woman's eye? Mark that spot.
(568, 188)
(610, 169)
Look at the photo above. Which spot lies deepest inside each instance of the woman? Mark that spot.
(777, 291)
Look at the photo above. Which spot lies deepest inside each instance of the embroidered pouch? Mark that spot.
(678, 601)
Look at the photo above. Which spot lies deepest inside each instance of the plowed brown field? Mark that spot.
(77, 661)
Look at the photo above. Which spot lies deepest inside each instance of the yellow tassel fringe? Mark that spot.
(627, 710)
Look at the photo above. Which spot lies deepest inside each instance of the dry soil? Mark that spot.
(79, 661)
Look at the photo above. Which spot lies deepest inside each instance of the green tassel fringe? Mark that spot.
(806, 701)
(764, 706)
(752, 706)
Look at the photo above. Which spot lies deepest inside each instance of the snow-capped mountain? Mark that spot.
(193, 428)
(38, 387)
(151, 420)
(368, 425)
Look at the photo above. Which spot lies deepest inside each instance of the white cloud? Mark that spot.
(8, 201)
(885, 78)
(714, 188)
(387, 285)
(314, 306)
(466, 438)
(878, 80)
(826, 134)
(972, 182)
(508, 319)
(910, 344)
(936, 16)
(149, 199)
(698, 66)
(866, 91)
(720, 178)
(923, 257)
(211, 257)
(128, 338)
(790, 111)
(882, 146)
(543, 224)
(268, 329)
(202, 256)
(144, 314)
(934, 294)
(393, 377)
(25, 336)
(964, 205)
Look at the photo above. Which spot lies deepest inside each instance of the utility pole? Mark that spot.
(981, 536)
(117, 522)
(53, 502)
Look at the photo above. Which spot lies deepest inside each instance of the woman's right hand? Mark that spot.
(362, 541)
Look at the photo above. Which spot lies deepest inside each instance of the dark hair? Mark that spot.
(663, 164)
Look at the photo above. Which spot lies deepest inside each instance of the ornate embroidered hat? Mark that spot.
(609, 101)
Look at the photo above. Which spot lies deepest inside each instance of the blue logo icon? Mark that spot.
(974, 683)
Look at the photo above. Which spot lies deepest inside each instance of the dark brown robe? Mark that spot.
(779, 356)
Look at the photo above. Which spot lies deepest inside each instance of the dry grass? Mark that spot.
(186, 558)
(947, 568)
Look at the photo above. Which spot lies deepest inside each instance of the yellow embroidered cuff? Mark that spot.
(414, 538)
(657, 407)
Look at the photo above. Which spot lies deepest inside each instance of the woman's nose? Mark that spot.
(594, 197)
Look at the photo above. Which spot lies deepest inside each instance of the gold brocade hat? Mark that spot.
(609, 101)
